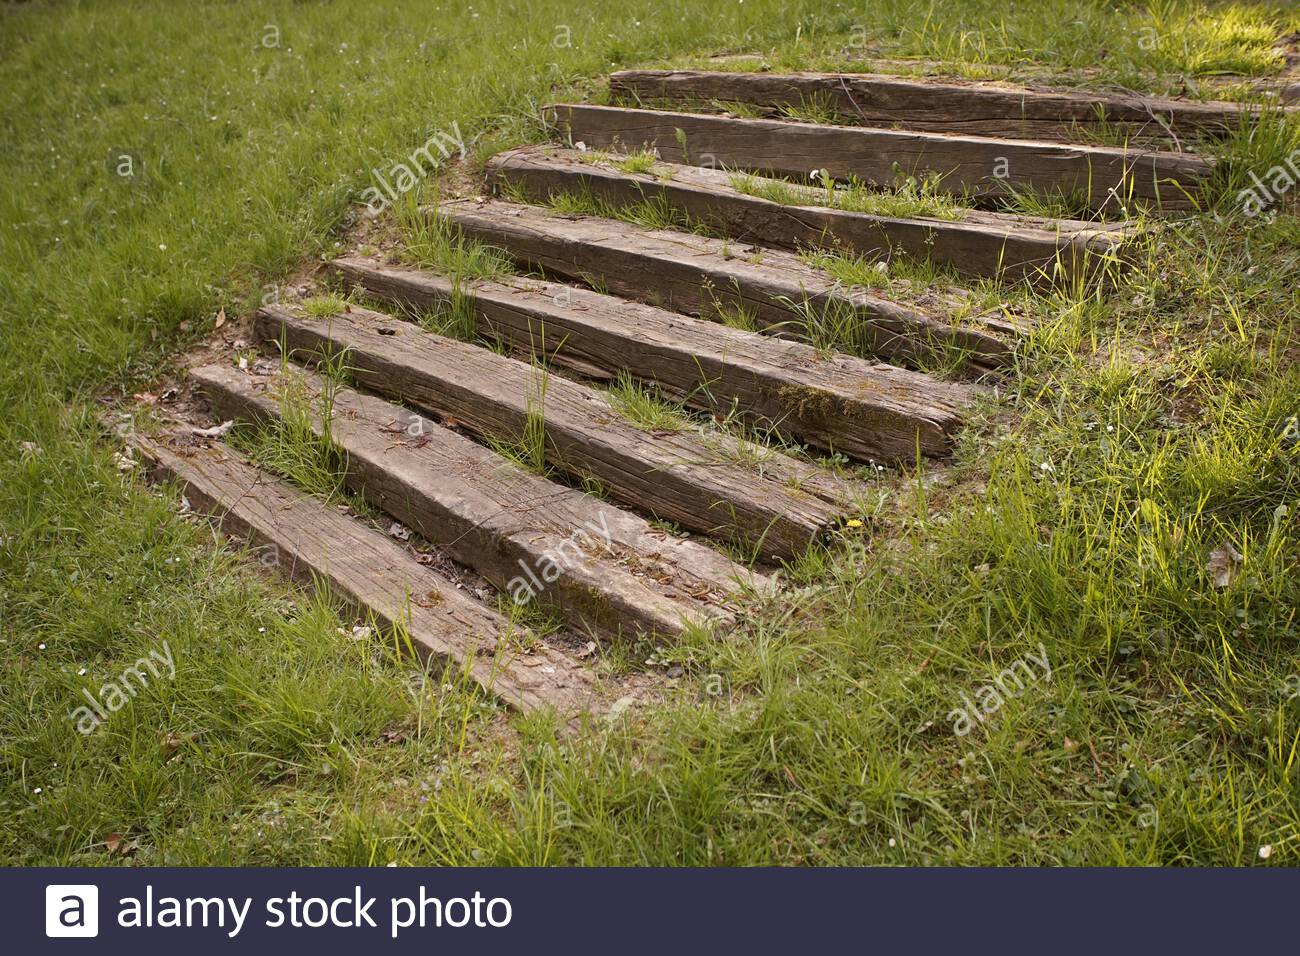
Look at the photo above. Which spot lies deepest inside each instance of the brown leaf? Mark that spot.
(1223, 565)
(220, 319)
(394, 735)
(216, 431)
(119, 845)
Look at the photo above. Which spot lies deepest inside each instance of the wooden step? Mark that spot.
(866, 410)
(698, 274)
(604, 569)
(721, 487)
(982, 109)
(976, 166)
(312, 541)
(983, 243)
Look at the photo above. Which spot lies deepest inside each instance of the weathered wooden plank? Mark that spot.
(983, 243)
(835, 402)
(978, 166)
(698, 274)
(984, 109)
(312, 540)
(720, 487)
(602, 568)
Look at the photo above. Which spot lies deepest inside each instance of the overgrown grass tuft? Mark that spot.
(910, 197)
(297, 444)
(642, 405)
(433, 242)
(323, 306)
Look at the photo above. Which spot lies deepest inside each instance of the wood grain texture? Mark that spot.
(945, 106)
(982, 244)
(716, 485)
(312, 540)
(602, 568)
(835, 402)
(979, 166)
(696, 274)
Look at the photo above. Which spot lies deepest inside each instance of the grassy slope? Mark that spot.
(1165, 733)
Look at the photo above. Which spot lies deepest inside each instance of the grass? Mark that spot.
(432, 242)
(297, 444)
(818, 108)
(849, 269)
(1255, 152)
(655, 212)
(909, 198)
(1149, 426)
(529, 449)
(641, 162)
(323, 306)
(642, 405)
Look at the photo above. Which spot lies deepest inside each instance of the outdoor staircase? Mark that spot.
(636, 532)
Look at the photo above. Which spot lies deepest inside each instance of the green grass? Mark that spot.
(850, 269)
(1254, 152)
(1149, 425)
(529, 448)
(909, 198)
(432, 242)
(297, 444)
(641, 162)
(323, 306)
(642, 405)
(655, 212)
(819, 108)
(742, 110)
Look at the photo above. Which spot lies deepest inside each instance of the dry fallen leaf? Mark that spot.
(171, 743)
(588, 649)
(220, 319)
(216, 431)
(1223, 565)
(116, 843)
(620, 705)
(399, 531)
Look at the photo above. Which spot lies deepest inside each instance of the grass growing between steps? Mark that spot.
(431, 242)
(642, 405)
(297, 445)
(1165, 732)
(909, 198)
